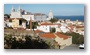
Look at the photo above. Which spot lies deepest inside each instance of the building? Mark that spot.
(19, 14)
(80, 30)
(7, 22)
(27, 15)
(64, 29)
(46, 26)
(15, 23)
(40, 17)
(16, 14)
(18, 23)
(61, 40)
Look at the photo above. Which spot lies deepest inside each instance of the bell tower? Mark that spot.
(12, 10)
(19, 11)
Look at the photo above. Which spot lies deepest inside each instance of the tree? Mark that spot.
(6, 16)
(35, 24)
(12, 43)
(53, 20)
(76, 37)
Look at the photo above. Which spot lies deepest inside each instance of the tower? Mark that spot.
(19, 11)
(12, 9)
(16, 14)
(50, 14)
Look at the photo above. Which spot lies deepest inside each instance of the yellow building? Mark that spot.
(15, 22)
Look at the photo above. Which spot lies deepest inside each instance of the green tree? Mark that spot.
(35, 24)
(53, 20)
(12, 43)
(8, 16)
(76, 37)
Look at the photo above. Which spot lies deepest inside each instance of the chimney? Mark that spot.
(30, 23)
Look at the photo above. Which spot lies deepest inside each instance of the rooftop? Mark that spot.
(38, 14)
(47, 35)
(37, 31)
(79, 26)
(46, 23)
(62, 36)
(53, 35)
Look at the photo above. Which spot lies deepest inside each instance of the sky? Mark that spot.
(57, 9)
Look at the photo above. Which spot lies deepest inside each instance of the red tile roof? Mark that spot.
(52, 35)
(62, 36)
(37, 31)
(46, 23)
(47, 35)
(79, 26)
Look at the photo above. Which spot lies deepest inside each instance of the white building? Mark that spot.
(50, 15)
(40, 17)
(18, 14)
(46, 26)
(64, 29)
(25, 15)
(7, 23)
(28, 16)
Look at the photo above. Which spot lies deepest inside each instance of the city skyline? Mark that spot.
(58, 9)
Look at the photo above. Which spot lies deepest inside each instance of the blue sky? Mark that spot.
(58, 9)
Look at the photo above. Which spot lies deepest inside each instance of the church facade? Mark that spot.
(36, 16)
(18, 14)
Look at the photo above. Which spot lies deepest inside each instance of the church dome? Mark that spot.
(50, 14)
